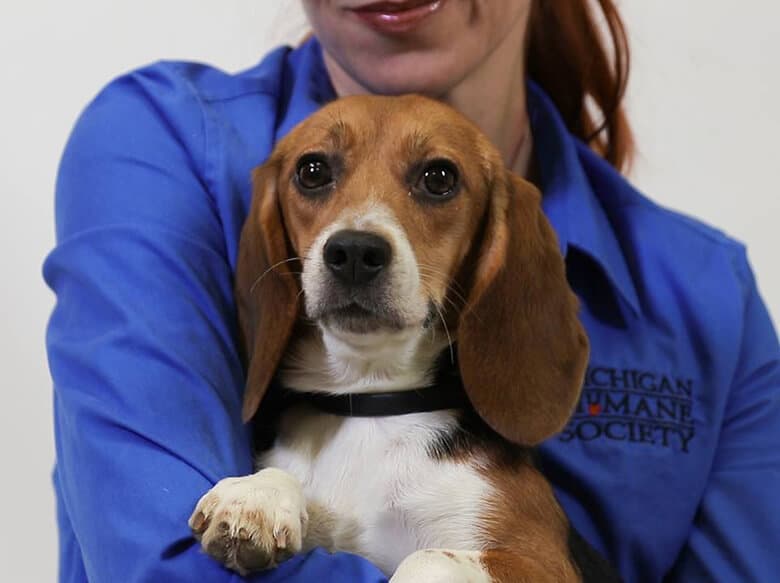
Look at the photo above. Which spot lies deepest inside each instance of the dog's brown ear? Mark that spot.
(266, 288)
(522, 350)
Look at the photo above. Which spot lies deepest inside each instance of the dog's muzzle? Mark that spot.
(358, 287)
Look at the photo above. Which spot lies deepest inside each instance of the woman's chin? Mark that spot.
(399, 74)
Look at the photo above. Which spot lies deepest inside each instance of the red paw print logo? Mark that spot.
(594, 409)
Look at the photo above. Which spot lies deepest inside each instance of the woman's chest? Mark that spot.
(631, 465)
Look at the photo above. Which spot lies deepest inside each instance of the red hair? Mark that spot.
(578, 53)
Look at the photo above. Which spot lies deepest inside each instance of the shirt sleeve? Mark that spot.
(147, 379)
(736, 532)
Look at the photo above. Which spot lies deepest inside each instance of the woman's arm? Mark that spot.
(736, 533)
(141, 344)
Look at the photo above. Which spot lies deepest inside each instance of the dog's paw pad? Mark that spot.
(252, 523)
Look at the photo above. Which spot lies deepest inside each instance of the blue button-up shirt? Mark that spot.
(670, 465)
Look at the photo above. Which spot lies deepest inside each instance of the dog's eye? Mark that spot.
(439, 179)
(313, 172)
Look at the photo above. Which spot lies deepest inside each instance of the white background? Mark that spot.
(704, 101)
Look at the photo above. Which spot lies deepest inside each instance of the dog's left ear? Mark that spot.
(266, 289)
(522, 350)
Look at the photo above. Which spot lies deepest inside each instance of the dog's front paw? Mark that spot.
(253, 522)
(441, 566)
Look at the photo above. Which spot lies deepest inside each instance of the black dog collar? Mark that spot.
(447, 393)
(389, 403)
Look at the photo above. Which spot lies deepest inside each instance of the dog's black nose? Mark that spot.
(356, 257)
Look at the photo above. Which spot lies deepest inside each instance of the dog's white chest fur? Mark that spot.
(379, 490)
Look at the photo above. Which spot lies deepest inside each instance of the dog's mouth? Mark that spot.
(358, 318)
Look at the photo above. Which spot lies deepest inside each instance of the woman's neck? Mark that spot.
(493, 96)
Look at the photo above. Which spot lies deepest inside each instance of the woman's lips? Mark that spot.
(397, 17)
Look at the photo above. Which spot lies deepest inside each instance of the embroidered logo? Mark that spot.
(634, 406)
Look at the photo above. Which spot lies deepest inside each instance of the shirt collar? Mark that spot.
(569, 201)
(305, 87)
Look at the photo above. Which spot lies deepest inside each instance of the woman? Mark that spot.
(669, 465)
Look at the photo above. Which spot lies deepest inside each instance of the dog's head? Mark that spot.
(389, 216)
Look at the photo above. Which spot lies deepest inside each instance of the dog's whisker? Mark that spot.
(458, 302)
(267, 271)
(446, 298)
(436, 271)
(432, 270)
(426, 284)
(440, 313)
(457, 295)
(453, 304)
(446, 331)
(433, 335)
(451, 286)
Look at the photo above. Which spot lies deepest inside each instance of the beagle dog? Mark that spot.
(386, 245)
